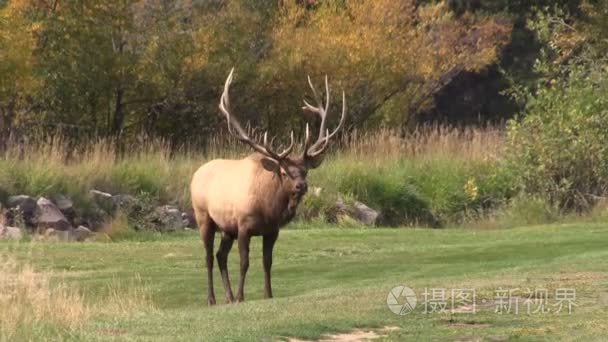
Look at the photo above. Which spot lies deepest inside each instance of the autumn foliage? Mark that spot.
(122, 68)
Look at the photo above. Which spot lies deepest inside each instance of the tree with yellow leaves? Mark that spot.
(390, 56)
(18, 79)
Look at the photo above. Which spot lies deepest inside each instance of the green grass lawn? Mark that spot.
(333, 280)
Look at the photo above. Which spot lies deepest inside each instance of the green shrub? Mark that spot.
(559, 150)
(527, 210)
(522, 210)
(413, 191)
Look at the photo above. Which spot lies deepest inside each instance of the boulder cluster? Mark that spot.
(56, 218)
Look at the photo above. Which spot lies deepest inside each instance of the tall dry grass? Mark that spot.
(28, 301)
(424, 141)
(126, 299)
(150, 166)
(427, 142)
(36, 306)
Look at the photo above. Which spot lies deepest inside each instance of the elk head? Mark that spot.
(292, 171)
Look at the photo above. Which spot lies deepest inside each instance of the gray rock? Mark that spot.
(62, 202)
(10, 233)
(169, 218)
(66, 206)
(103, 199)
(365, 214)
(189, 220)
(340, 208)
(49, 216)
(124, 201)
(100, 194)
(111, 203)
(82, 233)
(357, 211)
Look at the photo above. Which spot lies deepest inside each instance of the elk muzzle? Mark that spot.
(301, 188)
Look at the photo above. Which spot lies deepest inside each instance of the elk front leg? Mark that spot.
(222, 261)
(268, 245)
(243, 239)
(207, 231)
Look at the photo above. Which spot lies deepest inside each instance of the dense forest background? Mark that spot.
(122, 69)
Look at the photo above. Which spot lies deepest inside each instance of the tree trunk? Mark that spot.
(119, 116)
(7, 116)
(118, 121)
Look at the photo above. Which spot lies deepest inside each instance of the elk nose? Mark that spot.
(301, 187)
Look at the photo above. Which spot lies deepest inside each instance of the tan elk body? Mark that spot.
(230, 191)
(253, 196)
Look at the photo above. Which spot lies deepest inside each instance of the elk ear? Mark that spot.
(314, 162)
(271, 165)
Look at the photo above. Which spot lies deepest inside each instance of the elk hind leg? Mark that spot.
(207, 230)
(222, 262)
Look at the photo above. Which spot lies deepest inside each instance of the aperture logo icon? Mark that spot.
(401, 300)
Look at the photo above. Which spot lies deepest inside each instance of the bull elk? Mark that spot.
(254, 196)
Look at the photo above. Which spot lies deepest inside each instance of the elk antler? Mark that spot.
(317, 148)
(234, 125)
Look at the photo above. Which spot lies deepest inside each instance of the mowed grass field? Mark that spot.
(330, 280)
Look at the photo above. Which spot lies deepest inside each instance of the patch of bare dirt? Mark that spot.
(479, 339)
(575, 277)
(469, 324)
(356, 335)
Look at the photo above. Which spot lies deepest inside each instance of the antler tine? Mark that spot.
(284, 153)
(333, 133)
(324, 115)
(229, 125)
(225, 103)
(320, 150)
(342, 118)
(266, 139)
(324, 136)
(320, 109)
(227, 87)
(309, 107)
(307, 138)
(314, 93)
(326, 94)
(288, 150)
(234, 125)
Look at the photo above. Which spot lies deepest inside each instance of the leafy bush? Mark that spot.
(559, 149)
(523, 210)
(414, 191)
